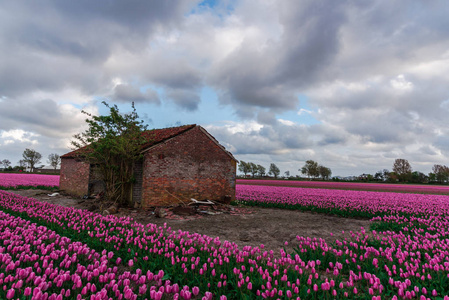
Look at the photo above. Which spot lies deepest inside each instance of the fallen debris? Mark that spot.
(160, 212)
(207, 202)
(197, 209)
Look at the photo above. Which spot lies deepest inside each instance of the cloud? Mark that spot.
(41, 116)
(18, 135)
(129, 93)
(188, 100)
(52, 44)
(374, 74)
(267, 71)
(399, 83)
(257, 138)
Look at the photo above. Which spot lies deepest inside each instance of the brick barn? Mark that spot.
(178, 163)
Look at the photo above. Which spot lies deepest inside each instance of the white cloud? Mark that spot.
(286, 122)
(303, 111)
(401, 84)
(19, 135)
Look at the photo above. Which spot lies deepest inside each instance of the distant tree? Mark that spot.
(287, 174)
(261, 170)
(274, 170)
(392, 177)
(31, 157)
(310, 169)
(386, 174)
(6, 163)
(17, 169)
(441, 173)
(324, 172)
(418, 177)
(244, 167)
(379, 176)
(54, 160)
(253, 169)
(402, 169)
(22, 164)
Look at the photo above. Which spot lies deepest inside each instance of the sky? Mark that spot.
(352, 85)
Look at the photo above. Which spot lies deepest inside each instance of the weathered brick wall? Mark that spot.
(74, 178)
(188, 166)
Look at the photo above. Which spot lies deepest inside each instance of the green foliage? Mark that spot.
(54, 160)
(31, 157)
(6, 163)
(27, 187)
(274, 170)
(403, 169)
(244, 167)
(112, 144)
(440, 173)
(310, 169)
(324, 172)
(250, 167)
(313, 169)
(254, 169)
(261, 170)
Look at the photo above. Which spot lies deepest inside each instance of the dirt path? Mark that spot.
(245, 226)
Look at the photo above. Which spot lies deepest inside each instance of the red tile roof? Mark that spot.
(157, 136)
(152, 137)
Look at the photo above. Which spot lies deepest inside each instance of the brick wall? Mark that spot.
(190, 165)
(74, 177)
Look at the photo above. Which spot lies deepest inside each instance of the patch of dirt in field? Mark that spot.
(43, 195)
(243, 225)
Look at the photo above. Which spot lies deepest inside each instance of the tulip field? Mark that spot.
(23, 180)
(55, 252)
(384, 187)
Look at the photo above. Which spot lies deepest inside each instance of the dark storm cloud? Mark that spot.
(174, 73)
(384, 38)
(271, 78)
(310, 40)
(128, 93)
(266, 117)
(188, 100)
(53, 44)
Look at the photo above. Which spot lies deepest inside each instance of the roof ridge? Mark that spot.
(163, 134)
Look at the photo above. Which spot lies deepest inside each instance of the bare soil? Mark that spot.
(251, 226)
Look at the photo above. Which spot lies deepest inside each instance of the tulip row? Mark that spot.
(37, 263)
(346, 203)
(406, 253)
(384, 187)
(409, 263)
(214, 268)
(15, 181)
